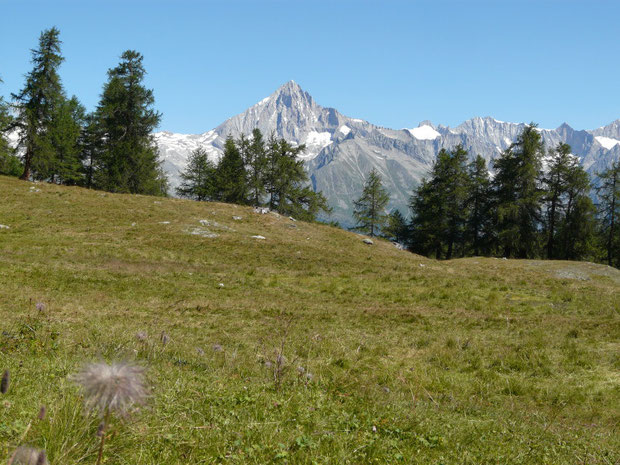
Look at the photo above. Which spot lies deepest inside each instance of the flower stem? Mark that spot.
(103, 432)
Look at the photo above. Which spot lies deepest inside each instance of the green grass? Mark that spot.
(472, 361)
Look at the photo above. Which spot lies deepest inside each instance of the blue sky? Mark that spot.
(393, 63)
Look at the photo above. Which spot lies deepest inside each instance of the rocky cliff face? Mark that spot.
(341, 150)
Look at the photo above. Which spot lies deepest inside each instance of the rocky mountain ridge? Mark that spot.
(341, 150)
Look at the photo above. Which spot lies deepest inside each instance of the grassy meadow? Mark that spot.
(386, 357)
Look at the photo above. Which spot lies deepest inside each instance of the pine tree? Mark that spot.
(287, 183)
(64, 136)
(129, 160)
(427, 220)
(369, 209)
(608, 193)
(518, 194)
(198, 179)
(479, 224)
(396, 229)
(439, 205)
(90, 144)
(577, 231)
(9, 162)
(37, 103)
(230, 177)
(255, 159)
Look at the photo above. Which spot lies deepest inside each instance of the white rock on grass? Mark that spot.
(164, 222)
(203, 233)
(4, 226)
(368, 241)
(259, 237)
(237, 218)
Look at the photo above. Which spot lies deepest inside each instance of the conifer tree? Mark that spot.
(427, 220)
(129, 159)
(9, 162)
(64, 136)
(255, 159)
(518, 194)
(230, 176)
(37, 103)
(198, 179)
(90, 144)
(608, 192)
(369, 209)
(478, 203)
(396, 229)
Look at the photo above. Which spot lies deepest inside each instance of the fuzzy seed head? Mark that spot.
(112, 388)
(141, 336)
(40, 306)
(29, 456)
(4, 384)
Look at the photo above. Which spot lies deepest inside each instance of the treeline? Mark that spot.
(58, 141)
(536, 204)
(254, 171)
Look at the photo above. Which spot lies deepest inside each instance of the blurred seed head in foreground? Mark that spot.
(29, 456)
(112, 388)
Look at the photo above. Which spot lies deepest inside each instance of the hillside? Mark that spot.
(390, 357)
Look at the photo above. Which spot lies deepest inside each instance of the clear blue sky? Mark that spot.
(393, 63)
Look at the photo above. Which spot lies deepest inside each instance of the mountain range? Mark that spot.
(340, 150)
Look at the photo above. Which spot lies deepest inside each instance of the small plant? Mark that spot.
(111, 389)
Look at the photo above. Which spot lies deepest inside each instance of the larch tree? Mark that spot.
(198, 178)
(37, 104)
(608, 193)
(129, 159)
(230, 175)
(518, 194)
(369, 209)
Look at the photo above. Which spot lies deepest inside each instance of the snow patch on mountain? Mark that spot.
(607, 142)
(424, 132)
(344, 129)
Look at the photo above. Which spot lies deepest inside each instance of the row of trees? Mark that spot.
(254, 171)
(111, 148)
(522, 211)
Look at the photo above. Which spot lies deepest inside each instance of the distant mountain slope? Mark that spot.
(341, 150)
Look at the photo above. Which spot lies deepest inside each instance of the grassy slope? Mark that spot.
(413, 360)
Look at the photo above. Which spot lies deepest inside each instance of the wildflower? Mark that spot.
(117, 387)
(164, 338)
(40, 306)
(217, 348)
(42, 412)
(4, 384)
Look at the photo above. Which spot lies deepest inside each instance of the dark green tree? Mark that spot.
(608, 193)
(518, 195)
(91, 145)
(439, 205)
(555, 185)
(397, 229)
(427, 220)
(37, 104)
(64, 137)
(255, 159)
(230, 177)
(9, 162)
(479, 224)
(129, 160)
(369, 209)
(199, 177)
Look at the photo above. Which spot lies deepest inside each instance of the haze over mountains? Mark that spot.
(342, 150)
